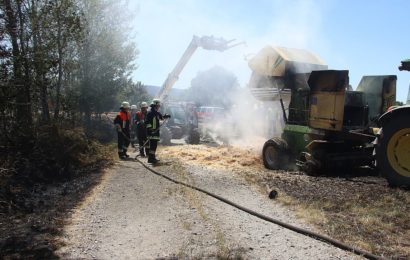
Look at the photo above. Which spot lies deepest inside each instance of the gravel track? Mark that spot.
(134, 214)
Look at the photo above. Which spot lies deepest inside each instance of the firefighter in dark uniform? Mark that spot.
(140, 123)
(153, 124)
(123, 123)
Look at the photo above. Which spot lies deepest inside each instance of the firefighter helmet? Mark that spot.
(156, 102)
(133, 107)
(125, 104)
(144, 104)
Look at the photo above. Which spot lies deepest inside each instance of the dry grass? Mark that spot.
(360, 211)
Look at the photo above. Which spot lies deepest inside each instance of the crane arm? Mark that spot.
(173, 76)
(205, 42)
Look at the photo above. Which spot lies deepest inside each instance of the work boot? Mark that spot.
(142, 154)
(121, 155)
(151, 159)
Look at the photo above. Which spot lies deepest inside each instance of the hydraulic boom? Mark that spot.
(207, 43)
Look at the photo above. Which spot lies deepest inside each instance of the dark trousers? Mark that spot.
(123, 142)
(153, 144)
(142, 139)
(132, 136)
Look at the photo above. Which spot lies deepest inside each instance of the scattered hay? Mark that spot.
(215, 157)
(362, 211)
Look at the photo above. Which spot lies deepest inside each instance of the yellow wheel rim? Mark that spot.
(398, 152)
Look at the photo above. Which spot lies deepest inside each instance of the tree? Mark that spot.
(135, 93)
(66, 57)
(106, 56)
(55, 25)
(213, 87)
(15, 30)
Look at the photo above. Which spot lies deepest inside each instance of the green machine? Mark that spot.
(328, 126)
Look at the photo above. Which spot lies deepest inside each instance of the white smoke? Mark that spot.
(247, 123)
(166, 28)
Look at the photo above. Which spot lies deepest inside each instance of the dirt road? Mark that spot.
(134, 214)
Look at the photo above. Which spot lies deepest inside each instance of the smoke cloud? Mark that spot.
(167, 31)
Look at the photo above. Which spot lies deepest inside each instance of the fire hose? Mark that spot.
(296, 229)
(166, 119)
(129, 140)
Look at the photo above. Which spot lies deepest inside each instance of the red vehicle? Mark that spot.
(208, 113)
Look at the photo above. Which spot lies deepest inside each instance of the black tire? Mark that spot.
(392, 151)
(275, 154)
(307, 166)
(194, 136)
(166, 136)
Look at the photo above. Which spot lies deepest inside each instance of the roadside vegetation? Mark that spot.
(360, 210)
(63, 64)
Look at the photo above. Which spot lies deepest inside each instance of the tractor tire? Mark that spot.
(166, 136)
(393, 151)
(275, 154)
(309, 167)
(193, 136)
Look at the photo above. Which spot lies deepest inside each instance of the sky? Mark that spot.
(366, 37)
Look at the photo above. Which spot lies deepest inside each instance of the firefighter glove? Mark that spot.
(165, 116)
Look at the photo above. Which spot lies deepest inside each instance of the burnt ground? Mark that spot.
(360, 209)
(43, 176)
(33, 215)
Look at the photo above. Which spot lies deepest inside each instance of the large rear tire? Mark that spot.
(194, 136)
(393, 151)
(275, 154)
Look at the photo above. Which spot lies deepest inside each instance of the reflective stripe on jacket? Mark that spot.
(152, 123)
(123, 119)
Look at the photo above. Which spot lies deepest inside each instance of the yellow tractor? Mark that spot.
(393, 142)
(328, 126)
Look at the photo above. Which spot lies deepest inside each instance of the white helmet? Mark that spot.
(133, 107)
(156, 102)
(144, 104)
(125, 104)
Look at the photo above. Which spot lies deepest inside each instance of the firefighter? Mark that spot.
(140, 117)
(133, 126)
(122, 122)
(153, 124)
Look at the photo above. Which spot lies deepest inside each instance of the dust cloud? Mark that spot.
(248, 123)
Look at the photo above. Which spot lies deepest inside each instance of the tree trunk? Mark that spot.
(38, 62)
(60, 64)
(26, 64)
(23, 106)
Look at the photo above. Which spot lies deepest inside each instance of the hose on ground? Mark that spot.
(299, 230)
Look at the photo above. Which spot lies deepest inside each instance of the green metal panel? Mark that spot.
(294, 135)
